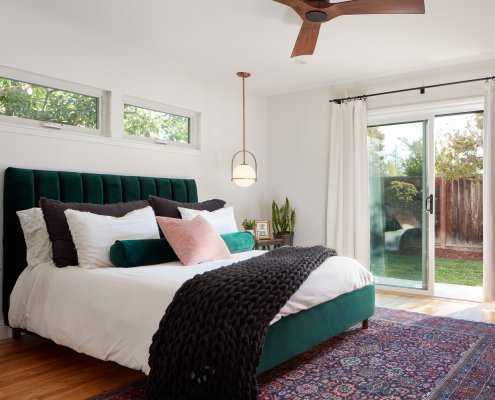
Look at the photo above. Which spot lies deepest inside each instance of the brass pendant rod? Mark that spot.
(244, 120)
(243, 75)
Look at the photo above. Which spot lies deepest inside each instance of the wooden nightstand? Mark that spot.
(264, 244)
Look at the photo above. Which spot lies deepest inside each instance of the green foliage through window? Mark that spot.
(153, 124)
(413, 164)
(460, 154)
(401, 195)
(30, 101)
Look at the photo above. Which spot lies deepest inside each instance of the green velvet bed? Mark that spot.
(286, 338)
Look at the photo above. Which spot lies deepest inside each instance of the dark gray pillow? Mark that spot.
(168, 208)
(64, 250)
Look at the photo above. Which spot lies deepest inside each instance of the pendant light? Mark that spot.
(244, 174)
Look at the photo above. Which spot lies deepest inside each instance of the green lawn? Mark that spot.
(458, 272)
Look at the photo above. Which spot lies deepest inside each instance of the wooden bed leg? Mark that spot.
(16, 333)
(365, 324)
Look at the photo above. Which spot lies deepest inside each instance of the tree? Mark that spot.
(376, 146)
(461, 154)
(30, 101)
(26, 100)
(394, 163)
(413, 164)
(391, 168)
(155, 124)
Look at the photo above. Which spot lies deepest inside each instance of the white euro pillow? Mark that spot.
(93, 234)
(223, 219)
(38, 244)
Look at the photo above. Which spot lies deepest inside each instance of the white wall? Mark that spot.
(299, 131)
(297, 162)
(92, 61)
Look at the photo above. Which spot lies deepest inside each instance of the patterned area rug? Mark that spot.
(401, 356)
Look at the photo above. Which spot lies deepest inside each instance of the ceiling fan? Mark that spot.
(316, 12)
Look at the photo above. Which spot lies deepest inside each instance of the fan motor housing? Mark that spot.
(316, 16)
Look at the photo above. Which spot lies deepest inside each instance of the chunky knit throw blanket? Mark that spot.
(208, 344)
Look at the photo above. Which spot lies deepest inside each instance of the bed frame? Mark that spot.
(285, 339)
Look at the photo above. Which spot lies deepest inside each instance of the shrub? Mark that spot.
(400, 195)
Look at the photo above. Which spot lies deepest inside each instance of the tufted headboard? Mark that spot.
(23, 188)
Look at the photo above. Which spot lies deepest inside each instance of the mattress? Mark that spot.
(112, 313)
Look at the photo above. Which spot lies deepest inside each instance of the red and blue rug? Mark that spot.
(401, 356)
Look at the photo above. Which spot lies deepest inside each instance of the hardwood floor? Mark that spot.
(469, 310)
(35, 368)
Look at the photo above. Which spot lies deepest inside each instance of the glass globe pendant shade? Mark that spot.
(244, 175)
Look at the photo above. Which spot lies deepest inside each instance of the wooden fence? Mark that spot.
(459, 212)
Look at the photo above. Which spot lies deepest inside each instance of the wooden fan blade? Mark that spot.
(299, 6)
(306, 40)
(379, 7)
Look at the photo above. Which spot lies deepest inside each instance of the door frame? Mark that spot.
(424, 112)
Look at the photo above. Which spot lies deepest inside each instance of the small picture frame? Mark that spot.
(262, 230)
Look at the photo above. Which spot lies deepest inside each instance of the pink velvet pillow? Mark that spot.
(194, 241)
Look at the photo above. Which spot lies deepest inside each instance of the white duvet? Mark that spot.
(112, 313)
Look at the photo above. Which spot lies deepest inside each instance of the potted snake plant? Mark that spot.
(283, 222)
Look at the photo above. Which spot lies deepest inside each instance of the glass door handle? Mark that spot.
(429, 204)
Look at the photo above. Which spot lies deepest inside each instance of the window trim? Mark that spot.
(393, 115)
(194, 126)
(60, 84)
(19, 129)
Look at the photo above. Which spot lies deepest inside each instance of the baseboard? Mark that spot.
(5, 332)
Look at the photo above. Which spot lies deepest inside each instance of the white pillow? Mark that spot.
(93, 234)
(38, 244)
(223, 219)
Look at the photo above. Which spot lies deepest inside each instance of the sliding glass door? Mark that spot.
(399, 204)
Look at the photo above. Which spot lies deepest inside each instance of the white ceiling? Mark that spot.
(217, 38)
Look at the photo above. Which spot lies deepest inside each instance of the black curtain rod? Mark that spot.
(420, 88)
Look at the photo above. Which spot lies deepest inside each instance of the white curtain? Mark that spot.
(489, 195)
(348, 215)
